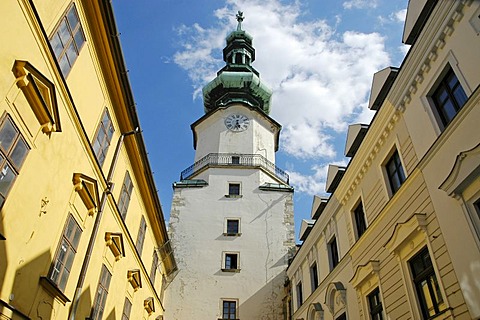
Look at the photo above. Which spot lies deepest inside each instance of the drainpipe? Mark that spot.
(96, 225)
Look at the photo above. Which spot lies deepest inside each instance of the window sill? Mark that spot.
(231, 270)
(53, 290)
(233, 196)
(444, 314)
(232, 234)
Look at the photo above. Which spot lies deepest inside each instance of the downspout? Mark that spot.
(88, 254)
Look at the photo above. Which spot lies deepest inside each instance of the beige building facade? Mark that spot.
(398, 237)
(82, 229)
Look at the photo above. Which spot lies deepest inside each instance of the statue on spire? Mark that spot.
(240, 18)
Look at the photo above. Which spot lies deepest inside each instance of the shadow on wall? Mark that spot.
(266, 303)
(37, 304)
(3, 256)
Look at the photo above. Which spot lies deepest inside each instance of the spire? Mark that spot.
(238, 81)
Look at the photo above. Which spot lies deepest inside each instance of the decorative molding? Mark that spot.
(133, 276)
(86, 188)
(40, 94)
(464, 171)
(335, 297)
(115, 242)
(363, 272)
(149, 305)
(403, 231)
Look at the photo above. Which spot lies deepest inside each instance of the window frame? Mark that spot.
(227, 232)
(153, 270)
(428, 273)
(72, 247)
(333, 253)
(314, 283)
(438, 107)
(234, 190)
(394, 155)
(358, 214)
(299, 294)
(6, 154)
(106, 127)
(227, 265)
(125, 195)
(101, 294)
(142, 231)
(375, 310)
(228, 315)
(127, 309)
(71, 42)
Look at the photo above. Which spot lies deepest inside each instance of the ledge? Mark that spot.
(233, 196)
(53, 290)
(231, 270)
(226, 234)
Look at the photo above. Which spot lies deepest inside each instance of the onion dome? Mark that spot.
(238, 81)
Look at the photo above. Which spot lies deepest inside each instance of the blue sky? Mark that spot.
(318, 56)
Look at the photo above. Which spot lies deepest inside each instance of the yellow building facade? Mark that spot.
(399, 235)
(81, 226)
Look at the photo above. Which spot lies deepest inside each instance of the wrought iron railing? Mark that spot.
(234, 160)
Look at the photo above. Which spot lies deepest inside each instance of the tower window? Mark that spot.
(231, 262)
(229, 309)
(234, 189)
(233, 227)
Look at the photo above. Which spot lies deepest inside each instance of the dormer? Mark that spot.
(319, 204)
(418, 12)
(305, 228)
(334, 176)
(355, 135)
(381, 84)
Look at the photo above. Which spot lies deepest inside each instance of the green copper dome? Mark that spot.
(238, 81)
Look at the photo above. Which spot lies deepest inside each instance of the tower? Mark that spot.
(231, 221)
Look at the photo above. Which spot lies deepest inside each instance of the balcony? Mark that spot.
(234, 160)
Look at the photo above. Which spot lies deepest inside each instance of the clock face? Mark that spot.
(237, 122)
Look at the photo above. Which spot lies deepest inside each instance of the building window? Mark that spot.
(343, 316)
(229, 309)
(231, 262)
(13, 151)
(141, 236)
(65, 255)
(153, 271)
(299, 290)
(476, 205)
(314, 276)
(101, 295)
(375, 305)
(67, 40)
(333, 253)
(426, 285)
(125, 195)
(360, 223)
(103, 137)
(233, 227)
(395, 173)
(449, 97)
(127, 308)
(235, 160)
(234, 189)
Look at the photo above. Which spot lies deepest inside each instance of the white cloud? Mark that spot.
(360, 4)
(313, 184)
(400, 15)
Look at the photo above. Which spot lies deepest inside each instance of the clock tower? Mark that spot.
(231, 221)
